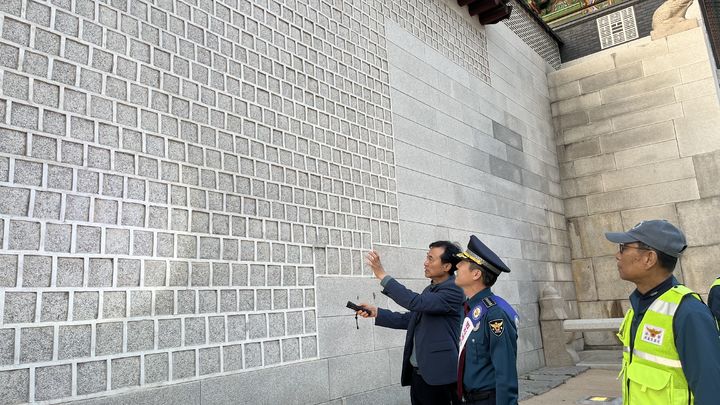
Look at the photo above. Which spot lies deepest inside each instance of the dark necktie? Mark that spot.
(461, 361)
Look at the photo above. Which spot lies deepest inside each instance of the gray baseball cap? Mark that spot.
(659, 234)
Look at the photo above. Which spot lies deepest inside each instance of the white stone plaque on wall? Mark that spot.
(617, 27)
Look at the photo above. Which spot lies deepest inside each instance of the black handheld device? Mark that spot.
(356, 307)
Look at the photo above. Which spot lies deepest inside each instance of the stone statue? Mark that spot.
(669, 18)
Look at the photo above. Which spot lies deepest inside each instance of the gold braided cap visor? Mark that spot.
(477, 259)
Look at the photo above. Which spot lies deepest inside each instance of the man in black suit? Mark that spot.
(432, 323)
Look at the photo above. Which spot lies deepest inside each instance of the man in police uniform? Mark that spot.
(432, 323)
(714, 299)
(487, 370)
(671, 346)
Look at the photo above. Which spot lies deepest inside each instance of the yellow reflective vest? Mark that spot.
(711, 304)
(715, 284)
(652, 373)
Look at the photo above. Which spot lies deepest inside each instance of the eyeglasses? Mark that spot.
(623, 246)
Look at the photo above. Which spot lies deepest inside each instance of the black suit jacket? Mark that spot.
(434, 321)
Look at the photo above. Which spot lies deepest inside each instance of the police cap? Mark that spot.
(482, 255)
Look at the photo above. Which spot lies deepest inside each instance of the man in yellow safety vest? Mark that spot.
(671, 344)
(714, 299)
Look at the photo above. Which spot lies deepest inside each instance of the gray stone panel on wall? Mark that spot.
(348, 374)
(15, 385)
(311, 376)
(392, 395)
(186, 393)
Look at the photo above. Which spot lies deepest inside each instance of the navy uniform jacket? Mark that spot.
(491, 354)
(714, 301)
(434, 323)
(696, 340)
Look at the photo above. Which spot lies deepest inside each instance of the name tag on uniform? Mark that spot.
(653, 334)
(470, 323)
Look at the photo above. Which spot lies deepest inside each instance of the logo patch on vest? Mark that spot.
(496, 326)
(653, 334)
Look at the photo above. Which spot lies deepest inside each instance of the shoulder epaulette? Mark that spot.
(684, 291)
(681, 289)
(489, 302)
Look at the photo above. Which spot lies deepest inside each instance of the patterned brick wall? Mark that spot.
(174, 174)
(523, 25)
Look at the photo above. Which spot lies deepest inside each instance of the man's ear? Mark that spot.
(447, 267)
(650, 259)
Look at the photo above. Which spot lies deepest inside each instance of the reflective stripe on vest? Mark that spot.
(716, 283)
(664, 307)
(652, 373)
(653, 358)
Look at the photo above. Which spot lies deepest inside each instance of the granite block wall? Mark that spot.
(474, 158)
(187, 188)
(637, 139)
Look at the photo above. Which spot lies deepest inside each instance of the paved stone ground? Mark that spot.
(575, 389)
(544, 379)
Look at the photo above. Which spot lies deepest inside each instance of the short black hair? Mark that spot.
(489, 278)
(449, 255)
(666, 261)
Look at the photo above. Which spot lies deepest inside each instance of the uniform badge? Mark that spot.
(496, 326)
(653, 334)
(476, 313)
